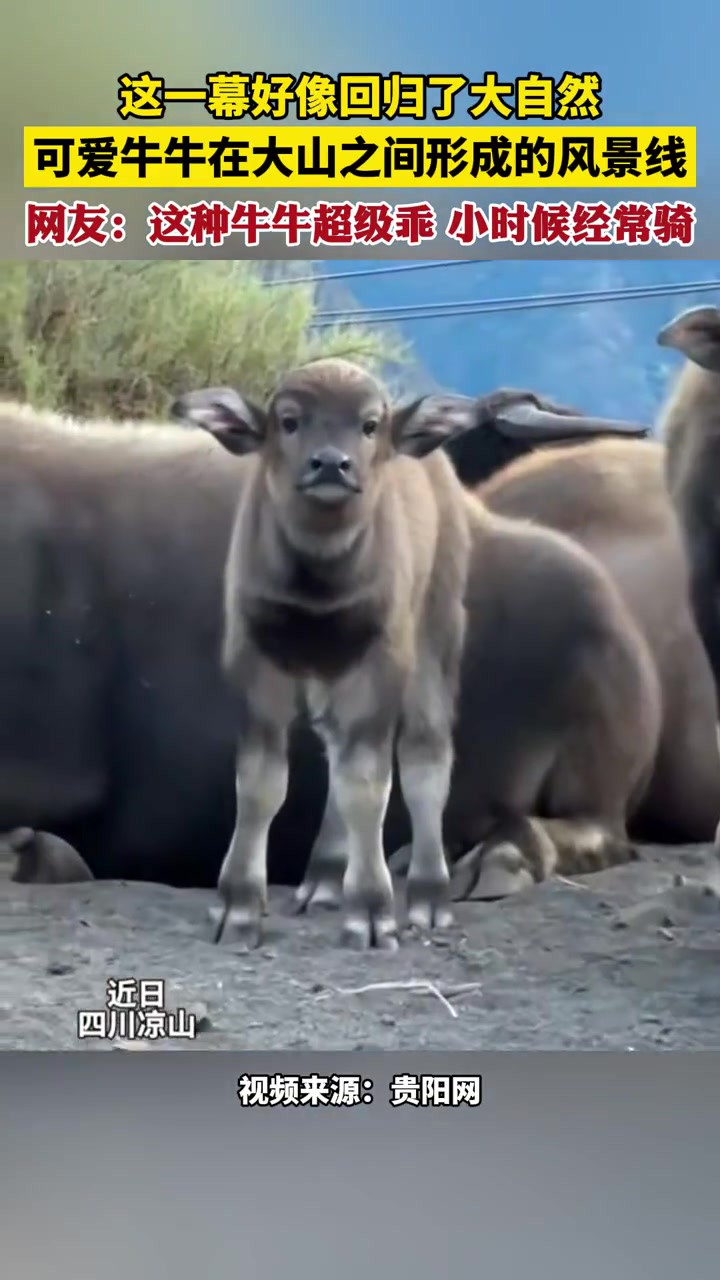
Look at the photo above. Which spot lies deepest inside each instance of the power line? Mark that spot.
(320, 278)
(536, 302)
(539, 299)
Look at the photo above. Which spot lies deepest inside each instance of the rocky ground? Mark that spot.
(620, 960)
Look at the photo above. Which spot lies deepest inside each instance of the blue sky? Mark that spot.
(600, 355)
(657, 64)
(654, 65)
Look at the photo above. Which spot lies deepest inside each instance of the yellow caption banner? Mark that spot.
(298, 156)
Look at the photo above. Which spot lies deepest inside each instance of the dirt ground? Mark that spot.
(619, 960)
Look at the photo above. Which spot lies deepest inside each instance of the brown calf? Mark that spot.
(345, 586)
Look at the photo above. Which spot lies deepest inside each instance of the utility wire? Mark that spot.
(320, 278)
(543, 298)
(536, 302)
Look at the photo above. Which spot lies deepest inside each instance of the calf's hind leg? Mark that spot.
(425, 753)
(425, 765)
(323, 880)
(359, 729)
(360, 781)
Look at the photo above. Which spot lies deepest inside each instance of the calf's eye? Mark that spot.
(289, 425)
(370, 427)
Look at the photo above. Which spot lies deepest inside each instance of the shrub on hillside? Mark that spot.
(121, 340)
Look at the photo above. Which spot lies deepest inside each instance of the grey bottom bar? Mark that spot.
(573, 1165)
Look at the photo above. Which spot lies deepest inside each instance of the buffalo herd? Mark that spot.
(282, 642)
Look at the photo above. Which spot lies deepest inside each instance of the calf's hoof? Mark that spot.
(237, 920)
(370, 923)
(322, 887)
(428, 904)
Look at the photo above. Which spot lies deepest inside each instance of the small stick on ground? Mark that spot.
(420, 986)
(573, 883)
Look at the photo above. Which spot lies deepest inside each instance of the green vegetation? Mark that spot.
(121, 340)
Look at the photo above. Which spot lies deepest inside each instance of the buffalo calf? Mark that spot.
(345, 588)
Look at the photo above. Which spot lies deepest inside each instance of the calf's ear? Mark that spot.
(425, 424)
(236, 423)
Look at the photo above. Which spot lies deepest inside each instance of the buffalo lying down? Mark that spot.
(610, 496)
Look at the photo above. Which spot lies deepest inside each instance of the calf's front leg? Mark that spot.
(261, 779)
